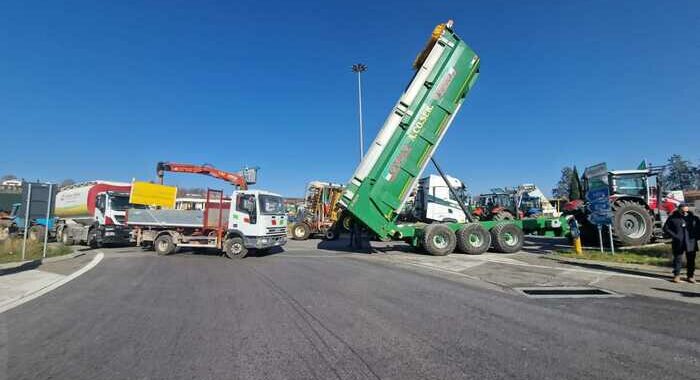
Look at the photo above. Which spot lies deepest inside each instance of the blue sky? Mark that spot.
(107, 90)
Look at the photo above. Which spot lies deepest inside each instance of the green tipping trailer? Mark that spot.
(446, 71)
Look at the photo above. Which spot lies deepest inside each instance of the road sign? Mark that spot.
(598, 195)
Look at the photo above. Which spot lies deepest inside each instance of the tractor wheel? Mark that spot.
(438, 239)
(473, 239)
(234, 248)
(36, 233)
(345, 222)
(301, 231)
(503, 215)
(507, 238)
(164, 245)
(632, 223)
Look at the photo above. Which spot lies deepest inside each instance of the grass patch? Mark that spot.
(657, 255)
(11, 250)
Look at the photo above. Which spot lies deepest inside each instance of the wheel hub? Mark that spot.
(439, 241)
(633, 225)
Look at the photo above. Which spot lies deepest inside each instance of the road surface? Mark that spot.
(309, 314)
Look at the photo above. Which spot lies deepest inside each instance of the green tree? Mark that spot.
(680, 174)
(563, 186)
(575, 190)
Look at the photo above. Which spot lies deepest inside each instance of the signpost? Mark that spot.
(598, 200)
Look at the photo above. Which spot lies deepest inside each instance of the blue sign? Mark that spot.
(598, 195)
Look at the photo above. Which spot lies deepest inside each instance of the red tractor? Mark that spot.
(636, 219)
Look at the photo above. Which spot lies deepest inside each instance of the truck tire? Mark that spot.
(344, 222)
(438, 239)
(473, 239)
(503, 215)
(234, 248)
(507, 238)
(632, 224)
(332, 233)
(92, 240)
(301, 231)
(164, 245)
(36, 233)
(65, 237)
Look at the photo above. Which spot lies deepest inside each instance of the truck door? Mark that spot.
(100, 208)
(244, 215)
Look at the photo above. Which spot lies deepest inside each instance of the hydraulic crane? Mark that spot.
(240, 180)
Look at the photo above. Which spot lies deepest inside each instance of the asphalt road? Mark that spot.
(309, 314)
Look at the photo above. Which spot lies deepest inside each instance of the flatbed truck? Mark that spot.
(446, 71)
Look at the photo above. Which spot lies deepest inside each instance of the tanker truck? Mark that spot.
(93, 213)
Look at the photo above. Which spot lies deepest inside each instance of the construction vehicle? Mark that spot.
(35, 220)
(253, 219)
(445, 72)
(320, 211)
(636, 219)
(93, 213)
(433, 201)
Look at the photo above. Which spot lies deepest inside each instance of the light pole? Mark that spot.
(360, 68)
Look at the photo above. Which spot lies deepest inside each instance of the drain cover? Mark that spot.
(566, 292)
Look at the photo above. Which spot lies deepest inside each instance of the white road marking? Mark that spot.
(65, 279)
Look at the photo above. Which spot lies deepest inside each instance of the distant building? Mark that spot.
(12, 182)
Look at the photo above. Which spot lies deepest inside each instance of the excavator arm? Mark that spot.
(236, 179)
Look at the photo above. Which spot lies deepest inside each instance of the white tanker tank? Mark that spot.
(93, 213)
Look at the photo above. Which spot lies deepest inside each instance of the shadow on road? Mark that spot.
(543, 245)
(681, 292)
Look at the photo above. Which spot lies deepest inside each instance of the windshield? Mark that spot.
(271, 204)
(121, 203)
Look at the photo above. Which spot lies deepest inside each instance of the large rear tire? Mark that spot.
(632, 224)
(234, 248)
(301, 231)
(473, 239)
(164, 245)
(438, 239)
(503, 215)
(507, 238)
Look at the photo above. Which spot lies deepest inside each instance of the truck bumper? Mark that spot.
(116, 234)
(262, 242)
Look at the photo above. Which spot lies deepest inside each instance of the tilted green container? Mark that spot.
(445, 72)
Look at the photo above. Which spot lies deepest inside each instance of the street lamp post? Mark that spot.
(359, 68)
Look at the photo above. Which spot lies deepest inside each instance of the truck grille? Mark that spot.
(276, 230)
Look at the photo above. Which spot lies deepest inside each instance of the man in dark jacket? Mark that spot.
(684, 228)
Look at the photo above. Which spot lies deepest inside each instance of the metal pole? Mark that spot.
(452, 191)
(27, 205)
(48, 215)
(600, 237)
(359, 94)
(612, 245)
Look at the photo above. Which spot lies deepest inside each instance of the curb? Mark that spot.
(49, 287)
(20, 266)
(643, 270)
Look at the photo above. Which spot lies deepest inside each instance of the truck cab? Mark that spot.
(434, 200)
(259, 218)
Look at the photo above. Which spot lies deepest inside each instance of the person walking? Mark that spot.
(684, 228)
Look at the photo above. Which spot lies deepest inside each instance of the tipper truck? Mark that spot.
(93, 213)
(445, 72)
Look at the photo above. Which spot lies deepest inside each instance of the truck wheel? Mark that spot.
(632, 223)
(4, 233)
(234, 248)
(93, 242)
(473, 239)
(332, 234)
(36, 233)
(438, 239)
(345, 222)
(65, 237)
(300, 231)
(164, 245)
(507, 238)
(503, 215)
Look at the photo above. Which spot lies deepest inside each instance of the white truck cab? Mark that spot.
(258, 218)
(434, 201)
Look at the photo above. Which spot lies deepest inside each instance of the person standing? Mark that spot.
(683, 227)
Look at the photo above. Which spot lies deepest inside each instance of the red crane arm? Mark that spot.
(234, 178)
